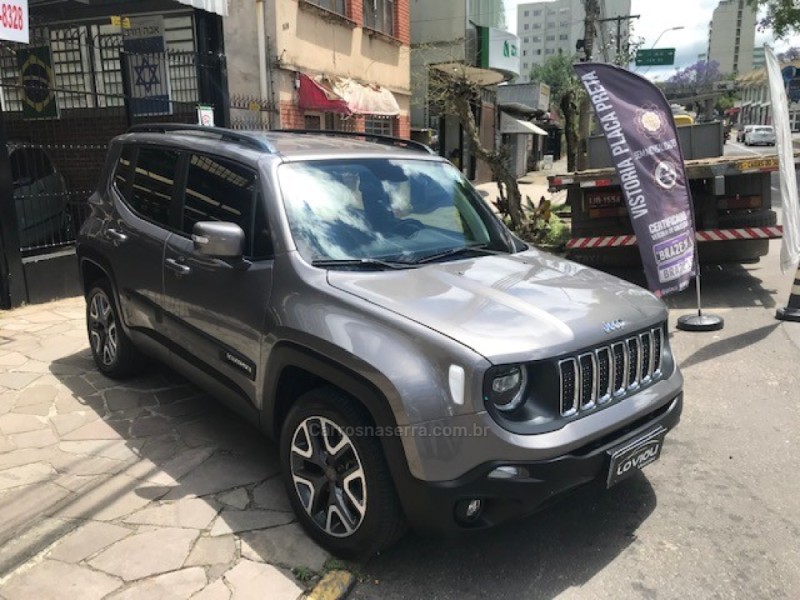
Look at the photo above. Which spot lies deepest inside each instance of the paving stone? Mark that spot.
(17, 381)
(114, 498)
(249, 580)
(149, 426)
(177, 393)
(194, 513)
(15, 458)
(223, 472)
(25, 475)
(41, 410)
(65, 347)
(96, 430)
(71, 464)
(74, 483)
(122, 398)
(6, 445)
(216, 591)
(12, 359)
(64, 423)
(272, 495)
(27, 505)
(55, 580)
(235, 498)
(235, 521)
(170, 586)
(34, 439)
(170, 472)
(220, 550)
(193, 407)
(114, 449)
(43, 316)
(11, 423)
(288, 546)
(146, 554)
(87, 540)
(80, 388)
(37, 394)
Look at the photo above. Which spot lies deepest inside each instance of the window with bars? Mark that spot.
(86, 64)
(337, 6)
(379, 15)
(379, 126)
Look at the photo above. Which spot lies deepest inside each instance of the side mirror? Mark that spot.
(218, 239)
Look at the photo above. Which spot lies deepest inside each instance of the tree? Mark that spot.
(700, 75)
(782, 16)
(565, 92)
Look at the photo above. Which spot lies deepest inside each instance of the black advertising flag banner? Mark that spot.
(643, 140)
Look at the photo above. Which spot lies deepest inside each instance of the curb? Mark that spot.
(335, 585)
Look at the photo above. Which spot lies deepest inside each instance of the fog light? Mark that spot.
(508, 472)
(468, 511)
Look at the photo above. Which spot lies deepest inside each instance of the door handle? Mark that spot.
(177, 266)
(117, 237)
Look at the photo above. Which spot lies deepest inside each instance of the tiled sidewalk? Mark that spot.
(148, 489)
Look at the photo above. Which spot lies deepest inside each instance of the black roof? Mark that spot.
(291, 142)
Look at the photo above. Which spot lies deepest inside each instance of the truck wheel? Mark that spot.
(759, 218)
(336, 476)
(112, 350)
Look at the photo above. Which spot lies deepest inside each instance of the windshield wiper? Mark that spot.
(452, 252)
(361, 262)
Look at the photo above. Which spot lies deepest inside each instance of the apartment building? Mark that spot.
(549, 28)
(731, 36)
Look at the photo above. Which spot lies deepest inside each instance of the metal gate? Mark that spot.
(63, 97)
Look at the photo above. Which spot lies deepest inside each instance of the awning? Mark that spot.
(314, 95)
(366, 99)
(219, 7)
(509, 124)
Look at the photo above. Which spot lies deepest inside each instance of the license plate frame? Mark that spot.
(634, 455)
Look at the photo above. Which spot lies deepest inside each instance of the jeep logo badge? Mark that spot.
(612, 326)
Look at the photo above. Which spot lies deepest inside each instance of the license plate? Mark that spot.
(757, 163)
(633, 456)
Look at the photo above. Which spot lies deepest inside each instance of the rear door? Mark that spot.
(217, 307)
(133, 239)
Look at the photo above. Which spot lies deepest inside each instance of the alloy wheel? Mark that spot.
(103, 328)
(328, 476)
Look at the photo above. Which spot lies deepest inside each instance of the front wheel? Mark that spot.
(336, 476)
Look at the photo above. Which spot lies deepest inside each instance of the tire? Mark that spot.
(365, 515)
(112, 350)
(759, 218)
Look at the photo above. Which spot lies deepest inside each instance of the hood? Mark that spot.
(510, 308)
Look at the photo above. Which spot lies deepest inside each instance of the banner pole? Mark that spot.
(700, 321)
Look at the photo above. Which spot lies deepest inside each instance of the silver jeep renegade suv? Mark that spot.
(356, 299)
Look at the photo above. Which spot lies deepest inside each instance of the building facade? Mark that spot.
(322, 64)
(550, 28)
(755, 104)
(459, 36)
(731, 37)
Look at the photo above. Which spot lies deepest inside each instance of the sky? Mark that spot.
(656, 16)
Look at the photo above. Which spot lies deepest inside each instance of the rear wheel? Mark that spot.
(113, 352)
(336, 476)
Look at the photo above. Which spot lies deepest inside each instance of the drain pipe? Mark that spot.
(262, 52)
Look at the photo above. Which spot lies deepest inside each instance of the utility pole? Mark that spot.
(592, 10)
(619, 20)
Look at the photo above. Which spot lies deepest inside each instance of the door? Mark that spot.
(217, 307)
(133, 238)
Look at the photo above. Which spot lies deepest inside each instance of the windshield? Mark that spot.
(391, 210)
(763, 129)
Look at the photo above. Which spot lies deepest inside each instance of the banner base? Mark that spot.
(788, 314)
(704, 322)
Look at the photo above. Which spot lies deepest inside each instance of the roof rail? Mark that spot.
(224, 134)
(387, 140)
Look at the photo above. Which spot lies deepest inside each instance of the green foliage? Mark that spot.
(557, 72)
(541, 226)
(782, 16)
(303, 574)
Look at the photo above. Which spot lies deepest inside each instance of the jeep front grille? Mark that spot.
(594, 378)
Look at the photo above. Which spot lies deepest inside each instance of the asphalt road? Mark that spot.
(715, 517)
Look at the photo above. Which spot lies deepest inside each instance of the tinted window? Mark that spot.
(153, 181)
(39, 164)
(122, 172)
(219, 190)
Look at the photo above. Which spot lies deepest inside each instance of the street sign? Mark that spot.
(655, 57)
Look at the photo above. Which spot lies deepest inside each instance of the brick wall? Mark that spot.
(292, 116)
(403, 21)
(402, 126)
(355, 11)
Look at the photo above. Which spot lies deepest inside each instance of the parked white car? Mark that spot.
(761, 134)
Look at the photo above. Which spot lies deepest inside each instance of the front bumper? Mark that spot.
(431, 506)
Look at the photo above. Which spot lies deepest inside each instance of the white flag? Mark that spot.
(790, 249)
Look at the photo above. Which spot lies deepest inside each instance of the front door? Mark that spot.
(217, 307)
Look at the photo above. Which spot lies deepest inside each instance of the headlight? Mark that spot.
(506, 387)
